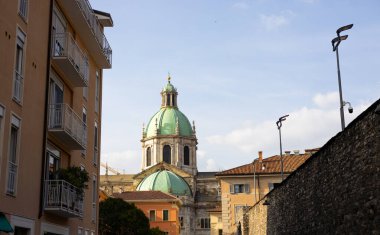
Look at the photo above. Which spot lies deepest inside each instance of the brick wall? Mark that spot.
(337, 191)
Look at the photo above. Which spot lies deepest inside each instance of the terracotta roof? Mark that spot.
(271, 165)
(145, 196)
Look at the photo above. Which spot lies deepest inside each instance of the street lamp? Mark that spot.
(335, 43)
(279, 125)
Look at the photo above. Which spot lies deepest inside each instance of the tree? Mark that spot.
(118, 217)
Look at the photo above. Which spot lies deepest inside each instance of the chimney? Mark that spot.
(287, 153)
(296, 152)
(260, 156)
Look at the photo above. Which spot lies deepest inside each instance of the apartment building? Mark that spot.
(243, 186)
(52, 54)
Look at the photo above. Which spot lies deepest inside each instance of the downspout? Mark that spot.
(42, 188)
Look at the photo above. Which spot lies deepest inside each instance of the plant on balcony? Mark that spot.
(76, 176)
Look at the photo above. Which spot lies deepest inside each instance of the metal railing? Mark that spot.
(64, 45)
(18, 86)
(63, 196)
(12, 172)
(96, 28)
(62, 117)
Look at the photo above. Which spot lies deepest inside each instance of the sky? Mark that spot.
(238, 66)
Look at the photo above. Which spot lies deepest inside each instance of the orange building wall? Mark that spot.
(172, 225)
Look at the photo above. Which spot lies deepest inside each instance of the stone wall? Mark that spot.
(337, 191)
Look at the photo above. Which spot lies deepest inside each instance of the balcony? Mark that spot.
(68, 56)
(63, 199)
(65, 125)
(88, 27)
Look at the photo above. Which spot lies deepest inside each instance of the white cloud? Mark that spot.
(127, 161)
(273, 22)
(329, 100)
(304, 128)
(201, 154)
(211, 165)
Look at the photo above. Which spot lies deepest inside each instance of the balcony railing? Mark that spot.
(96, 28)
(63, 198)
(66, 125)
(88, 27)
(18, 86)
(70, 58)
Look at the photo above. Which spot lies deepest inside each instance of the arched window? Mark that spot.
(148, 157)
(186, 156)
(167, 154)
(168, 99)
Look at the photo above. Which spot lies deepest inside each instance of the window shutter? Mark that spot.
(231, 188)
(246, 186)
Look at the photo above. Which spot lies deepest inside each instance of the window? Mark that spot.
(53, 158)
(239, 188)
(186, 156)
(84, 120)
(220, 232)
(204, 223)
(167, 154)
(2, 112)
(19, 67)
(219, 219)
(165, 215)
(94, 197)
(148, 157)
(23, 9)
(152, 215)
(80, 231)
(21, 231)
(56, 102)
(168, 100)
(181, 221)
(13, 151)
(97, 92)
(96, 143)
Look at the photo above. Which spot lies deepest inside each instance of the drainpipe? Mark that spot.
(43, 164)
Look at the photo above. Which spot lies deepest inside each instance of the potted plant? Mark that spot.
(76, 176)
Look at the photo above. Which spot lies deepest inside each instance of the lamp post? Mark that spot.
(335, 43)
(279, 125)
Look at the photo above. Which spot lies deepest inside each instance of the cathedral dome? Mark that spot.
(169, 120)
(165, 181)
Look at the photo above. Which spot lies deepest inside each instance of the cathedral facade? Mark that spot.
(169, 164)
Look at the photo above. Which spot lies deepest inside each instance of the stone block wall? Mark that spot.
(337, 191)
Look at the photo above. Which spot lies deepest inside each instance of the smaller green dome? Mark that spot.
(165, 181)
(169, 88)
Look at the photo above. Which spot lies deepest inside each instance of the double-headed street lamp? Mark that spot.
(335, 43)
(279, 125)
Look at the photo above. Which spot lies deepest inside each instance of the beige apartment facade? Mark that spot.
(243, 186)
(52, 55)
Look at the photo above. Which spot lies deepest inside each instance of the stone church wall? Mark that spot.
(337, 191)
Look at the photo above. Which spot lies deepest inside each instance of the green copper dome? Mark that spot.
(166, 120)
(165, 181)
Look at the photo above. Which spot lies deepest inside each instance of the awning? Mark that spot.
(4, 224)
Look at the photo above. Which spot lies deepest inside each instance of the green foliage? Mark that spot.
(75, 176)
(156, 231)
(118, 217)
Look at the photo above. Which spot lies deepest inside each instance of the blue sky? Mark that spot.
(238, 66)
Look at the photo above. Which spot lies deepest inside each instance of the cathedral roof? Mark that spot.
(169, 120)
(165, 181)
(271, 165)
